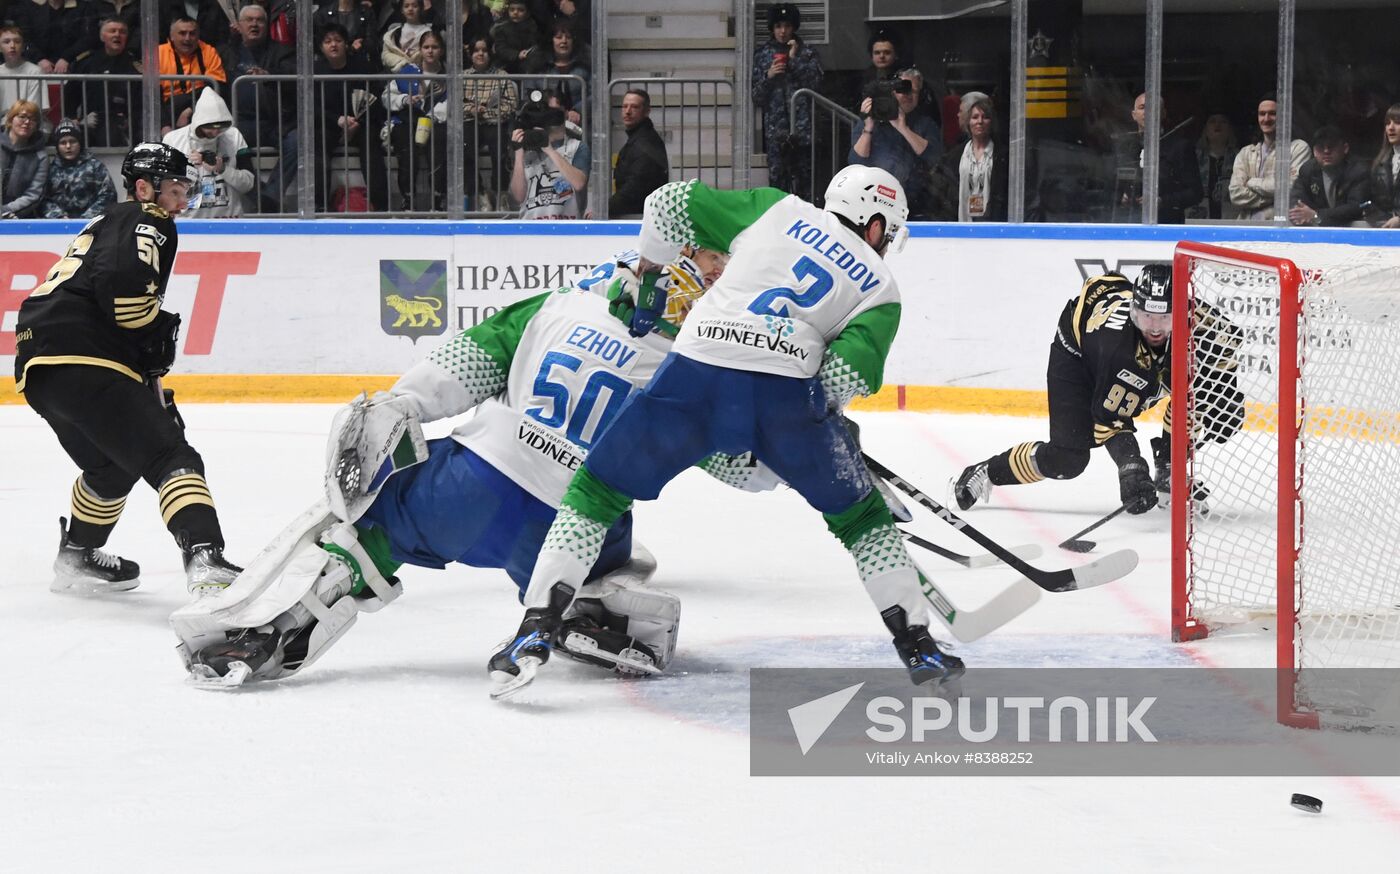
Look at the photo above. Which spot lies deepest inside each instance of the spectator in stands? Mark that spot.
(981, 168)
(548, 181)
(642, 165)
(360, 21)
(1178, 177)
(781, 66)
(212, 24)
(79, 186)
(184, 55)
(577, 13)
(1385, 174)
(400, 44)
(24, 164)
(477, 22)
(944, 180)
(350, 121)
(1215, 160)
(884, 59)
(54, 31)
(490, 104)
(563, 57)
(99, 11)
(1252, 180)
(266, 110)
(14, 85)
(109, 111)
(907, 143)
(516, 38)
(417, 110)
(219, 155)
(1332, 186)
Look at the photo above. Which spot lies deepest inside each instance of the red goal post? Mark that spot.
(1287, 380)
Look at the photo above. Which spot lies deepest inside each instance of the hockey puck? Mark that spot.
(1306, 802)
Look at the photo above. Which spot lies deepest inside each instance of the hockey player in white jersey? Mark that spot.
(546, 377)
(800, 323)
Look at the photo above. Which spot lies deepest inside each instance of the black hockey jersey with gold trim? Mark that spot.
(1127, 375)
(99, 302)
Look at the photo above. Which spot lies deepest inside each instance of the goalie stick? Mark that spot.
(1096, 573)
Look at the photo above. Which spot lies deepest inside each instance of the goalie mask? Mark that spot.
(1152, 303)
(687, 284)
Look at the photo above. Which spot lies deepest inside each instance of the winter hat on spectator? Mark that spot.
(1329, 135)
(788, 12)
(67, 128)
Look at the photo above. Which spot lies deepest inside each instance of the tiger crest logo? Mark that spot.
(412, 296)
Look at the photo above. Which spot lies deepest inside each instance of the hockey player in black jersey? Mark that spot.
(91, 346)
(1109, 362)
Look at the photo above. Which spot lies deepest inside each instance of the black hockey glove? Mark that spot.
(163, 340)
(1162, 463)
(1135, 487)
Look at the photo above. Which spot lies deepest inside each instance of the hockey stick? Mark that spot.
(1096, 573)
(1074, 544)
(1029, 551)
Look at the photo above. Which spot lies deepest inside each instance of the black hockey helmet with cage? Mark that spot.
(1152, 292)
(154, 162)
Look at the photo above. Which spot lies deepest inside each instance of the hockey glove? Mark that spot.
(1162, 462)
(638, 300)
(1135, 487)
(163, 340)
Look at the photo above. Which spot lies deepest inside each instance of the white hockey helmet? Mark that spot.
(859, 194)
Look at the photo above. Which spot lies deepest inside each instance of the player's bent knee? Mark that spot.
(1060, 462)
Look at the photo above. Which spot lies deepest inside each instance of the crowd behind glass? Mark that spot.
(70, 85)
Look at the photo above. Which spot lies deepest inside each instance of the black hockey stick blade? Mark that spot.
(1074, 543)
(1095, 573)
(986, 559)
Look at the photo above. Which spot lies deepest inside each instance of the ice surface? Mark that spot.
(388, 756)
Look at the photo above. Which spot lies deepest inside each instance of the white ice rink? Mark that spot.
(387, 756)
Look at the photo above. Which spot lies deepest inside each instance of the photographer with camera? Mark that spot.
(551, 163)
(898, 137)
(218, 157)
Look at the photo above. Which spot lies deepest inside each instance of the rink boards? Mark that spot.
(298, 311)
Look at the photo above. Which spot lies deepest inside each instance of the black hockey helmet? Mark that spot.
(1152, 303)
(1152, 292)
(154, 162)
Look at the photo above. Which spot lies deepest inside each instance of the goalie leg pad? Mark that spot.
(308, 586)
(615, 625)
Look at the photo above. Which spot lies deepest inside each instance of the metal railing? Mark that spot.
(694, 117)
(828, 140)
(373, 159)
(110, 107)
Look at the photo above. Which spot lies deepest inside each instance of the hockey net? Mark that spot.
(1290, 376)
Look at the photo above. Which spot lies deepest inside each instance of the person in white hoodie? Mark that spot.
(218, 153)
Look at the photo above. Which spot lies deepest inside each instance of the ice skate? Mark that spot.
(229, 664)
(207, 572)
(86, 570)
(973, 486)
(583, 638)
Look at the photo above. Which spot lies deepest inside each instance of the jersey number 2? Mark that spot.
(578, 429)
(770, 302)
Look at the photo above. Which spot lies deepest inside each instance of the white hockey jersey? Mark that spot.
(549, 373)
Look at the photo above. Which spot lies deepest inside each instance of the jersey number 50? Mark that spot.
(583, 427)
(769, 302)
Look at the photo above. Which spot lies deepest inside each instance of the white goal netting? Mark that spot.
(1346, 476)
